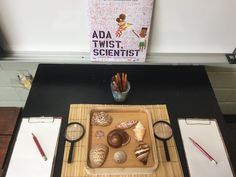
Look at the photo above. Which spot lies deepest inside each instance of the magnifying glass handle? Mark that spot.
(166, 151)
(71, 152)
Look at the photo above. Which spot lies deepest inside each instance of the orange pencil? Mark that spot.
(119, 82)
(125, 81)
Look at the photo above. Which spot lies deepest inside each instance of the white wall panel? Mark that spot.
(183, 26)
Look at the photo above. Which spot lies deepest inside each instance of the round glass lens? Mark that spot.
(162, 130)
(74, 131)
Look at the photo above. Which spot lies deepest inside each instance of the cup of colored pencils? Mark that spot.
(120, 87)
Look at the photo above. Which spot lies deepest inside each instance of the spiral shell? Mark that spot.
(97, 155)
(127, 124)
(120, 157)
(117, 138)
(142, 152)
(101, 118)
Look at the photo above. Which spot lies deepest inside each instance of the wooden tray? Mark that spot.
(132, 165)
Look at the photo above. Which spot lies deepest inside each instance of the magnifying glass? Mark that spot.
(163, 131)
(74, 133)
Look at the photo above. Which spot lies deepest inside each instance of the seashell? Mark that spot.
(99, 134)
(127, 124)
(117, 138)
(126, 138)
(120, 157)
(142, 152)
(101, 118)
(97, 155)
(139, 131)
(25, 80)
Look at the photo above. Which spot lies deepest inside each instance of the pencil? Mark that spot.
(203, 151)
(119, 82)
(39, 147)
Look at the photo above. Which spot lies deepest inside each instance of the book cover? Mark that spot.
(119, 29)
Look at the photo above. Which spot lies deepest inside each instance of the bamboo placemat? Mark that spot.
(79, 113)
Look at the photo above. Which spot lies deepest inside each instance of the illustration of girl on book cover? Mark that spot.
(122, 25)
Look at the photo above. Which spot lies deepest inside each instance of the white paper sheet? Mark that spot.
(206, 134)
(26, 160)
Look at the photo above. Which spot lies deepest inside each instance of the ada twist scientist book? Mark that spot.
(119, 29)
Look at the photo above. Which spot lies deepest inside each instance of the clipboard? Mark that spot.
(26, 160)
(207, 133)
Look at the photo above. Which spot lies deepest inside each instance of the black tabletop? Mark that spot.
(185, 90)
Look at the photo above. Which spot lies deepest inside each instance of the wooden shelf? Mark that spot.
(8, 120)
